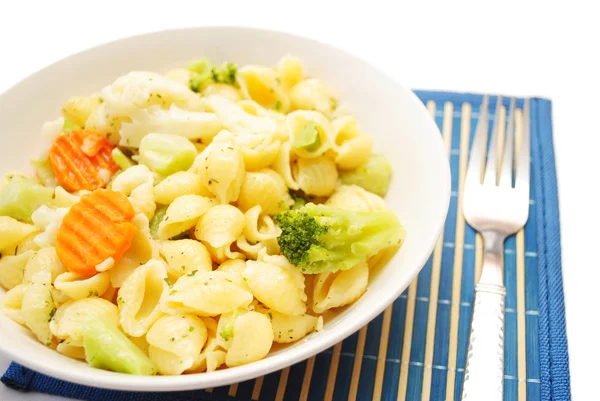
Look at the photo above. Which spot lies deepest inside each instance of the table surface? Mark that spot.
(533, 49)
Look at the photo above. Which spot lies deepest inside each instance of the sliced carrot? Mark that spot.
(93, 143)
(96, 228)
(81, 160)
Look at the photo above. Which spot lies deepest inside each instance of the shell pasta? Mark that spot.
(186, 221)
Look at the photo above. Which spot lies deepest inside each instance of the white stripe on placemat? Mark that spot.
(465, 129)
(436, 268)
(521, 326)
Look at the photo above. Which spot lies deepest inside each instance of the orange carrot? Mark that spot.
(78, 159)
(93, 143)
(96, 228)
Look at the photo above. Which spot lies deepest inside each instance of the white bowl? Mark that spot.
(401, 127)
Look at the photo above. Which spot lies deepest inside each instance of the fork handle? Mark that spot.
(484, 371)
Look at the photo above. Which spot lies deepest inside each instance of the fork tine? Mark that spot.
(506, 173)
(522, 173)
(491, 166)
(477, 158)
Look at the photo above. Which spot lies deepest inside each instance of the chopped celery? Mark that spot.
(112, 179)
(70, 126)
(308, 138)
(44, 172)
(167, 154)
(122, 161)
(374, 175)
(159, 215)
(21, 197)
(226, 332)
(106, 347)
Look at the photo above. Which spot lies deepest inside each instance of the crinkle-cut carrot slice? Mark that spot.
(93, 143)
(96, 228)
(82, 159)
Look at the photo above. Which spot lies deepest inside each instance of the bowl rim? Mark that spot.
(121, 381)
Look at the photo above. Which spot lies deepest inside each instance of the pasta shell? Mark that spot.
(76, 286)
(183, 214)
(68, 322)
(220, 225)
(332, 290)
(12, 269)
(206, 294)
(316, 176)
(140, 297)
(277, 287)
(185, 256)
(252, 339)
(175, 343)
(266, 189)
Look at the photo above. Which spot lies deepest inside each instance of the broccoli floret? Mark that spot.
(203, 73)
(225, 74)
(319, 238)
(159, 215)
(200, 81)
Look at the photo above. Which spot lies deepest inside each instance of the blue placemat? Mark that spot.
(416, 349)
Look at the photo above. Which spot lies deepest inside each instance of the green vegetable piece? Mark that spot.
(200, 81)
(108, 348)
(122, 161)
(299, 201)
(203, 73)
(112, 179)
(21, 197)
(159, 216)
(226, 332)
(69, 126)
(44, 172)
(183, 235)
(374, 176)
(199, 66)
(200, 74)
(308, 138)
(167, 154)
(225, 73)
(319, 238)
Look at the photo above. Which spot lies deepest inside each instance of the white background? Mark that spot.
(518, 48)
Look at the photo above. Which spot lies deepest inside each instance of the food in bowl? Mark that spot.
(186, 222)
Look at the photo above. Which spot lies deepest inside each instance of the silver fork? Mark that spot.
(496, 209)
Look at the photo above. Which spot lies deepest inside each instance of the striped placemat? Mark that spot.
(416, 349)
